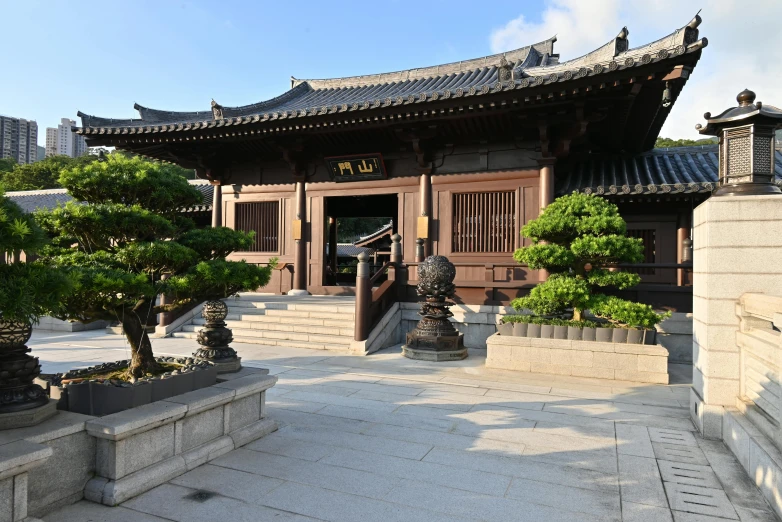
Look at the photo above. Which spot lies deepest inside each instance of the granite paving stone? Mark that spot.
(640, 481)
(319, 474)
(386, 438)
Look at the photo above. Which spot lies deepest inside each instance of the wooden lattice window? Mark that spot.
(484, 222)
(263, 218)
(648, 236)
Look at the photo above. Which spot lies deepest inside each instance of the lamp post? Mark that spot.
(746, 135)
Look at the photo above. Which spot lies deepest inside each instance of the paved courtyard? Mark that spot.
(385, 438)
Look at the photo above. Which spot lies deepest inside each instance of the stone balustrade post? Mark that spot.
(363, 298)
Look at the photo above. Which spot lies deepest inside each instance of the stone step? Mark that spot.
(282, 335)
(341, 321)
(340, 329)
(274, 342)
(272, 312)
(292, 307)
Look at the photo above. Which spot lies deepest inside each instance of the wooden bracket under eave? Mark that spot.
(680, 71)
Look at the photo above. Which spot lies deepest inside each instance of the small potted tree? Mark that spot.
(126, 245)
(27, 291)
(578, 239)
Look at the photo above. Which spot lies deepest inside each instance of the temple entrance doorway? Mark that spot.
(356, 224)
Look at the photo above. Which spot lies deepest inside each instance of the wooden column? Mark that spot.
(300, 247)
(217, 205)
(682, 232)
(546, 193)
(426, 209)
(546, 181)
(333, 245)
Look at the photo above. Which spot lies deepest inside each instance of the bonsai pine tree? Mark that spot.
(127, 242)
(577, 238)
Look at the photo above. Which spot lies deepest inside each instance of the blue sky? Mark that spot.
(102, 56)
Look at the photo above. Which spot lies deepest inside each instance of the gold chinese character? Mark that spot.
(364, 168)
(345, 166)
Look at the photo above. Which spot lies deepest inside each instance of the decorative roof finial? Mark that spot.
(504, 70)
(217, 110)
(745, 98)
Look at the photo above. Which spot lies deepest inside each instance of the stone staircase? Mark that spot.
(315, 322)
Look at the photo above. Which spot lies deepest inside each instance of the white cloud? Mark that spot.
(742, 53)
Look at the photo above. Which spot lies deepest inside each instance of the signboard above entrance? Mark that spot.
(356, 168)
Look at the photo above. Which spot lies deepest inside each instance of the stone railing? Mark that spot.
(760, 359)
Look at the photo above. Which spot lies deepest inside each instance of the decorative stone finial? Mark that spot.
(217, 110)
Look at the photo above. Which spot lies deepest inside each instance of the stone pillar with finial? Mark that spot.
(215, 338)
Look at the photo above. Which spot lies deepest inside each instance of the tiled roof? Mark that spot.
(349, 250)
(659, 171)
(32, 200)
(524, 68)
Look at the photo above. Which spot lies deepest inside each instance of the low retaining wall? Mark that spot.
(476, 322)
(626, 362)
(56, 325)
(113, 458)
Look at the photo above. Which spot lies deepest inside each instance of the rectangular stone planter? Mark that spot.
(141, 448)
(602, 360)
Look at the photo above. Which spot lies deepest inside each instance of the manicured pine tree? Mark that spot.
(126, 242)
(577, 238)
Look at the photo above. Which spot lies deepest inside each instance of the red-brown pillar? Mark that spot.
(300, 247)
(546, 181)
(333, 244)
(682, 233)
(426, 210)
(217, 205)
(546, 193)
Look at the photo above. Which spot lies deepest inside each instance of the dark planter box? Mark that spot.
(560, 332)
(650, 336)
(575, 334)
(619, 335)
(533, 330)
(95, 398)
(520, 329)
(588, 333)
(546, 331)
(505, 329)
(635, 336)
(604, 335)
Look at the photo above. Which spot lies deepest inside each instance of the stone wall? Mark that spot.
(57, 325)
(116, 457)
(738, 249)
(476, 322)
(626, 362)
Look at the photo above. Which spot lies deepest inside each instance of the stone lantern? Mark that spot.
(746, 136)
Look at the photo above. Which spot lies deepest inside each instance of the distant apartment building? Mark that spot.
(62, 141)
(18, 139)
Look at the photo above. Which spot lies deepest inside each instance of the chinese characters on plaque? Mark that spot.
(356, 168)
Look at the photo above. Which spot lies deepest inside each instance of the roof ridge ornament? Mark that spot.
(217, 110)
(621, 43)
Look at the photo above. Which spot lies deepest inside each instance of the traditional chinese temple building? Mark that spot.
(460, 155)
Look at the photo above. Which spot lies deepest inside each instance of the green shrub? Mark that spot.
(576, 239)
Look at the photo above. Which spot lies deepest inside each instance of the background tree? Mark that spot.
(129, 244)
(27, 290)
(662, 143)
(6, 165)
(577, 238)
(350, 230)
(42, 174)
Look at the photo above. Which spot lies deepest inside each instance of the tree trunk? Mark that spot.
(142, 359)
(577, 314)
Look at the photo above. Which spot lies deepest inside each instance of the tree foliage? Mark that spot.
(40, 175)
(662, 143)
(128, 243)
(27, 290)
(577, 238)
(351, 229)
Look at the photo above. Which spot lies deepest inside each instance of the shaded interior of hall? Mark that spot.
(357, 224)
